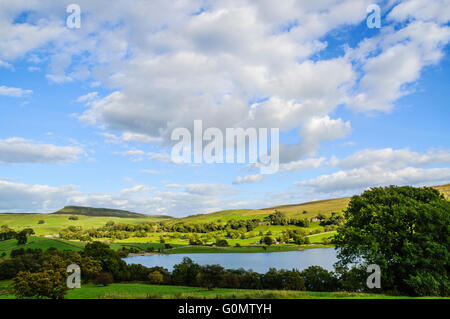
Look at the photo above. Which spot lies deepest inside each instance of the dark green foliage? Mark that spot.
(404, 230)
(222, 243)
(22, 236)
(7, 233)
(185, 272)
(210, 276)
(48, 283)
(319, 279)
(277, 218)
(334, 219)
(268, 240)
(104, 278)
(156, 278)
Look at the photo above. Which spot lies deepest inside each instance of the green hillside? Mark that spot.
(304, 210)
(308, 209)
(53, 223)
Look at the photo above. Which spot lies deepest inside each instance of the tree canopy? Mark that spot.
(405, 231)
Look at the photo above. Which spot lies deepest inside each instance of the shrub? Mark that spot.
(222, 243)
(267, 240)
(104, 278)
(156, 278)
(48, 283)
(319, 279)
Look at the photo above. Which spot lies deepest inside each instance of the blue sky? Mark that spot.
(87, 114)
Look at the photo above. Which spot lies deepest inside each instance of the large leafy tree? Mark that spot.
(404, 230)
(45, 284)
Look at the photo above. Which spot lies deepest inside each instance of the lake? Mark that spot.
(259, 262)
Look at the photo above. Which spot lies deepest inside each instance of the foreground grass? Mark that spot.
(145, 291)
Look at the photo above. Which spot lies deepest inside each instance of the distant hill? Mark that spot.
(103, 212)
(444, 189)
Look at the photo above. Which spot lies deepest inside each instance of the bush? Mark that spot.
(41, 221)
(49, 283)
(425, 284)
(73, 218)
(104, 278)
(267, 240)
(319, 279)
(156, 278)
(222, 243)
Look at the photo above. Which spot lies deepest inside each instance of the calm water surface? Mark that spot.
(259, 262)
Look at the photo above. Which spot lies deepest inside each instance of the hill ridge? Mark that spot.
(102, 212)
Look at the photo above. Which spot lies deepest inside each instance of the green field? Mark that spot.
(54, 222)
(146, 291)
(39, 242)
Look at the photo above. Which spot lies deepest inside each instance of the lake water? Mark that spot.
(259, 262)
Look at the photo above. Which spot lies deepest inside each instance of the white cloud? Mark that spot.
(199, 189)
(390, 158)
(437, 10)
(402, 56)
(382, 167)
(255, 178)
(302, 165)
(19, 150)
(88, 97)
(141, 138)
(6, 65)
(358, 179)
(137, 189)
(14, 92)
(17, 197)
(150, 171)
(168, 66)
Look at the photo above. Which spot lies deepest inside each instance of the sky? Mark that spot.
(86, 114)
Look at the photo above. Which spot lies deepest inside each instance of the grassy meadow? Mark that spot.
(147, 291)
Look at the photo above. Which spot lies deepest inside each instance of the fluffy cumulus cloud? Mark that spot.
(358, 179)
(14, 92)
(390, 158)
(171, 62)
(19, 150)
(382, 167)
(17, 197)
